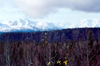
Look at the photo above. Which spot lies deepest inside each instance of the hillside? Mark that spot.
(67, 47)
(52, 36)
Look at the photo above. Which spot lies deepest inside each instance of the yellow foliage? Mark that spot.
(68, 46)
(59, 62)
(48, 63)
(66, 54)
(42, 39)
(46, 42)
(73, 58)
(65, 62)
(26, 37)
(45, 33)
(45, 37)
(65, 57)
(70, 59)
(31, 63)
(51, 62)
(49, 56)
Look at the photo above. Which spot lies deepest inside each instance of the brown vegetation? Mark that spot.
(66, 53)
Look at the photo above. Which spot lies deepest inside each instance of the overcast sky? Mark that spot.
(63, 11)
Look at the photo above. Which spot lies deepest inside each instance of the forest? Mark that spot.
(53, 48)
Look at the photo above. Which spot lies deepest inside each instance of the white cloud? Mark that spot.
(1, 3)
(36, 8)
(41, 8)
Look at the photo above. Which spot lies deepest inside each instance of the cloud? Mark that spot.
(36, 8)
(41, 8)
(1, 3)
(85, 5)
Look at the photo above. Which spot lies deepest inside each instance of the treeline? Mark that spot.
(66, 53)
(55, 35)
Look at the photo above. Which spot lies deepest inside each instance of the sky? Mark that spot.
(66, 12)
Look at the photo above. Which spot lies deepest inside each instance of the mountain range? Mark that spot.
(88, 23)
(25, 25)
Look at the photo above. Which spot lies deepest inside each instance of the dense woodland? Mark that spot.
(57, 53)
(52, 36)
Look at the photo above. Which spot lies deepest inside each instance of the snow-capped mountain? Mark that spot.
(88, 23)
(81, 24)
(26, 25)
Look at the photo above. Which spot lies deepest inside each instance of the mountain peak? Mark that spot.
(26, 25)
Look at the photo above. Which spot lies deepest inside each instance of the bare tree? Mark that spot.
(7, 53)
(85, 50)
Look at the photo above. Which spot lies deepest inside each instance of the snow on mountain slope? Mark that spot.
(88, 23)
(3, 27)
(26, 25)
(81, 24)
